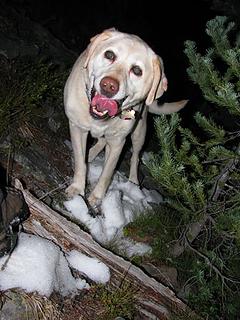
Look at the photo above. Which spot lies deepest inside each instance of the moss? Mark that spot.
(155, 227)
(117, 302)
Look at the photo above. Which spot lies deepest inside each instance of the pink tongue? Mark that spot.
(102, 103)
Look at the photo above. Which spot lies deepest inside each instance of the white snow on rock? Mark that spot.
(132, 248)
(123, 201)
(38, 265)
(78, 208)
(91, 267)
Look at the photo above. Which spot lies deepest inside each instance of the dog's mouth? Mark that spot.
(102, 107)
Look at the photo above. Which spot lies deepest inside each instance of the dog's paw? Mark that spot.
(73, 190)
(94, 202)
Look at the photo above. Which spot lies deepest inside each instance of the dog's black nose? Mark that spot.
(109, 86)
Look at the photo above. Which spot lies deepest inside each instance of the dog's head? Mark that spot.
(122, 72)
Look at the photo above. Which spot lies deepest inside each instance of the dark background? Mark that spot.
(164, 25)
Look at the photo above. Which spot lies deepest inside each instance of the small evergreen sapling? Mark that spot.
(200, 173)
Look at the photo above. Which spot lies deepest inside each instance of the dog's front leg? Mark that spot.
(114, 148)
(79, 141)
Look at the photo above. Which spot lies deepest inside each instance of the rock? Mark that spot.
(35, 162)
(21, 36)
(54, 125)
(165, 274)
(14, 307)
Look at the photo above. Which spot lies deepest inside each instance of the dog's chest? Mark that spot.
(112, 128)
(98, 130)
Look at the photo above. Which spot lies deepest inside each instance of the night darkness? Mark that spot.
(164, 28)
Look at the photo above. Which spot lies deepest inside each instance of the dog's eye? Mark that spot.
(136, 70)
(110, 55)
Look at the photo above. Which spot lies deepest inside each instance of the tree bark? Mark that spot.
(153, 299)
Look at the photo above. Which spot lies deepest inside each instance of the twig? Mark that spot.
(195, 228)
(209, 263)
(9, 158)
(19, 186)
(53, 190)
(222, 178)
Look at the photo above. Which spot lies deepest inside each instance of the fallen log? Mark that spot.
(154, 300)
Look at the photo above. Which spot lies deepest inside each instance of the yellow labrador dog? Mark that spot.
(112, 86)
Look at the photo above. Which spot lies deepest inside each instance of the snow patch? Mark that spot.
(123, 201)
(91, 267)
(37, 264)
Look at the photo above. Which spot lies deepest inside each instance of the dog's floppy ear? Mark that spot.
(159, 84)
(94, 41)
